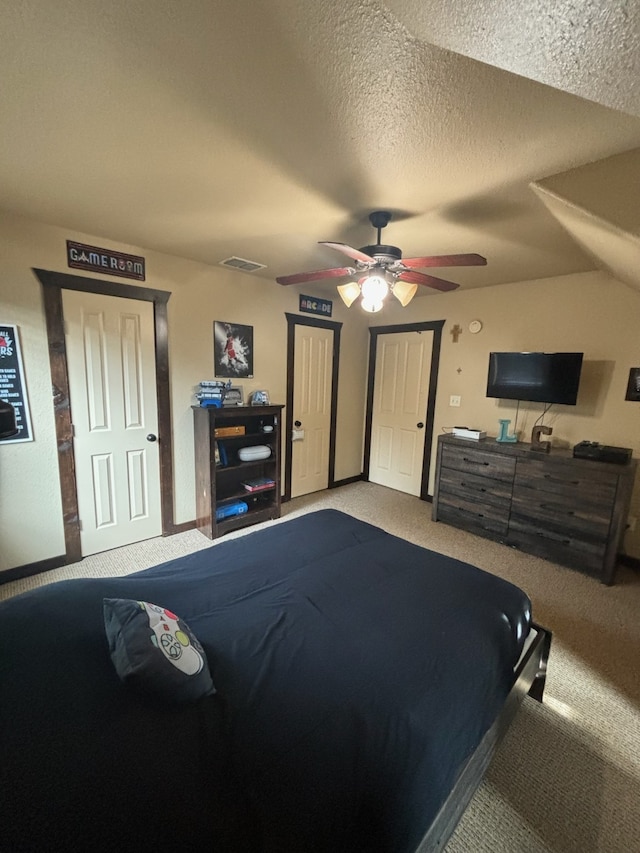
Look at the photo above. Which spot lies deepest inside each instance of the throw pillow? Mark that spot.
(153, 650)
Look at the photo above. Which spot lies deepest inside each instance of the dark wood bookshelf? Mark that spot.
(220, 472)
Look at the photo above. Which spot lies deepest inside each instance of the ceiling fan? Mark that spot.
(381, 269)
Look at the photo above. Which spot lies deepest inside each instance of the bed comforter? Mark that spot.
(355, 673)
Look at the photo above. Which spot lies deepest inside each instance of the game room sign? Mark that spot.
(92, 258)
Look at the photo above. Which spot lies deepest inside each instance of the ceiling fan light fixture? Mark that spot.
(371, 305)
(404, 291)
(374, 288)
(349, 292)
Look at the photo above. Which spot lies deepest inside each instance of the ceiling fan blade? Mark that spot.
(470, 260)
(356, 254)
(431, 281)
(298, 278)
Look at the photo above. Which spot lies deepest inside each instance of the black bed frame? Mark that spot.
(530, 680)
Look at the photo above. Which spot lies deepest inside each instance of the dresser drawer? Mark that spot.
(473, 515)
(495, 466)
(475, 487)
(562, 511)
(593, 486)
(557, 546)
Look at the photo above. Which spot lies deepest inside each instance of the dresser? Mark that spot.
(570, 511)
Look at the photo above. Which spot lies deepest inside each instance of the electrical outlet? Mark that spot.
(454, 400)
(631, 523)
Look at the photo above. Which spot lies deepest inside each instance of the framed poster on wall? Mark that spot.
(233, 350)
(633, 385)
(12, 384)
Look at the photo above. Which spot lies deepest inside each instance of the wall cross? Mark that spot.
(455, 333)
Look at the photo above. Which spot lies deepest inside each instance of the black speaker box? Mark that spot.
(602, 452)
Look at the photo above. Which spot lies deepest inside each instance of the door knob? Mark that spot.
(420, 425)
(152, 437)
(297, 423)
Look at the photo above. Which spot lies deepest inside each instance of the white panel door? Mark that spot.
(112, 388)
(401, 388)
(312, 377)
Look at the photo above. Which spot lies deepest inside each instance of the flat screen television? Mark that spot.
(539, 377)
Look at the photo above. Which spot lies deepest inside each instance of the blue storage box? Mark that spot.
(231, 508)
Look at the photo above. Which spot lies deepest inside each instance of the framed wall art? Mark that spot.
(233, 350)
(12, 383)
(633, 385)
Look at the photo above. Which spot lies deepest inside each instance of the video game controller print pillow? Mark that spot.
(154, 651)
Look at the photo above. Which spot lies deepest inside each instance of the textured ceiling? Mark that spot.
(588, 47)
(612, 248)
(211, 129)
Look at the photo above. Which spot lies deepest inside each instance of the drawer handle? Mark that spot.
(559, 480)
(541, 535)
(464, 485)
(473, 461)
(550, 506)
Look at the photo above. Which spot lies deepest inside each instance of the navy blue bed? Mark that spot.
(355, 675)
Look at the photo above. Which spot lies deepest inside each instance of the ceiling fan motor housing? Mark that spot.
(383, 253)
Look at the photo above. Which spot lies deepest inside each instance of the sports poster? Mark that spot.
(233, 350)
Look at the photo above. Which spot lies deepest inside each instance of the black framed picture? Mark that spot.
(633, 385)
(232, 350)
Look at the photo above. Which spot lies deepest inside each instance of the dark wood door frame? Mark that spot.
(53, 283)
(294, 320)
(434, 326)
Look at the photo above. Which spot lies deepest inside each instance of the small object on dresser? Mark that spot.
(536, 442)
(466, 432)
(504, 431)
(259, 484)
(602, 452)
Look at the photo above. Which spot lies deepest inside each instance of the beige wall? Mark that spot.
(30, 510)
(590, 313)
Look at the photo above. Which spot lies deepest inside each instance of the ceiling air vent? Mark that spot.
(242, 264)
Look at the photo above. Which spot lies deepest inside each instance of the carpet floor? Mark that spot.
(566, 779)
